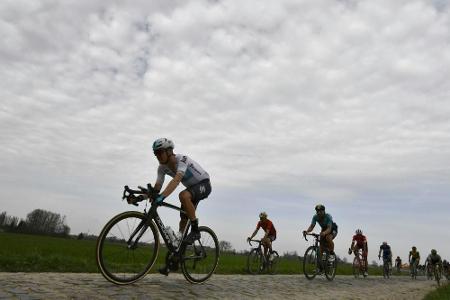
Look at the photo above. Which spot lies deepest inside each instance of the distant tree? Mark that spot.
(290, 254)
(225, 246)
(374, 263)
(80, 236)
(2, 218)
(345, 260)
(46, 222)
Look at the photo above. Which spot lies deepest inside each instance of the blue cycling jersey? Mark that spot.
(324, 223)
(386, 251)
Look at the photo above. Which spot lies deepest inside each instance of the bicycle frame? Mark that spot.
(258, 248)
(152, 214)
(317, 247)
(361, 260)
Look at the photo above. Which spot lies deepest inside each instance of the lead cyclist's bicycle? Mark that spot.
(128, 245)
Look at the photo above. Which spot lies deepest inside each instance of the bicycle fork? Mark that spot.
(139, 231)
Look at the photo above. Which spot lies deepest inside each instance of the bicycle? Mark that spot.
(413, 269)
(398, 268)
(359, 264)
(257, 262)
(128, 245)
(386, 267)
(429, 270)
(437, 273)
(315, 264)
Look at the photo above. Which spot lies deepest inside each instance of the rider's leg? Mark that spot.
(187, 205)
(330, 243)
(266, 245)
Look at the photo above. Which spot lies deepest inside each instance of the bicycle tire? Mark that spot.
(200, 259)
(117, 261)
(330, 267)
(254, 261)
(310, 262)
(356, 267)
(437, 275)
(273, 264)
(385, 270)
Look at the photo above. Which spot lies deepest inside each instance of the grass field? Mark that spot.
(441, 293)
(33, 253)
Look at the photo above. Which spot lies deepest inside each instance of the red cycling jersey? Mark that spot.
(360, 240)
(267, 225)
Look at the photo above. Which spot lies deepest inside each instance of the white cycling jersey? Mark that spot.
(193, 173)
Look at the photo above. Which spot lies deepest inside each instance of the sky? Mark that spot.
(286, 104)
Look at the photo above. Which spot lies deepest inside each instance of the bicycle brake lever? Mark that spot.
(143, 189)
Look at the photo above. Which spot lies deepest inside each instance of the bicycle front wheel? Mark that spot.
(437, 275)
(386, 270)
(127, 248)
(331, 265)
(273, 262)
(356, 267)
(310, 265)
(199, 260)
(254, 261)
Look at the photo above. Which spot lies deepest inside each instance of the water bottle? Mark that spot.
(172, 235)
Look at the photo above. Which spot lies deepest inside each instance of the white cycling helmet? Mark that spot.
(162, 143)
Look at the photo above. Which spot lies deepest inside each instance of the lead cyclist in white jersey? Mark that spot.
(185, 170)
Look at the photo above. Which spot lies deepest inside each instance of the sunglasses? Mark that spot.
(158, 152)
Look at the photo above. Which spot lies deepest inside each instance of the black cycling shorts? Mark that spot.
(198, 192)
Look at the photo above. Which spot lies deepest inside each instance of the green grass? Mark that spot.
(33, 253)
(443, 292)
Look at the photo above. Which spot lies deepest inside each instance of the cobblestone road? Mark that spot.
(94, 286)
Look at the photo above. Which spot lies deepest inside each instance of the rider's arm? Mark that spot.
(310, 228)
(254, 233)
(172, 184)
(157, 186)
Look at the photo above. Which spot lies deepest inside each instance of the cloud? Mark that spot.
(340, 102)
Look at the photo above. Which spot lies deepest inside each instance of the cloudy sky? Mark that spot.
(285, 103)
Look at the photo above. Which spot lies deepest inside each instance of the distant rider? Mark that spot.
(413, 257)
(387, 254)
(359, 241)
(328, 229)
(270, 234)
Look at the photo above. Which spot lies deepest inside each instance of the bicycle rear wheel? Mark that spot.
(310, 266)
(273, 262)
(127, 248)
(254, 261)
(331, 265)
(356, 267)
(199, 260)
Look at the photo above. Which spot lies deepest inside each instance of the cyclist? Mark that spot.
(185, 170)
(445, 267)
(435, 259)
(359, 241)
(398, 263)
(387, 254)
(270, 233)
(414, 257)
(329, 229)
